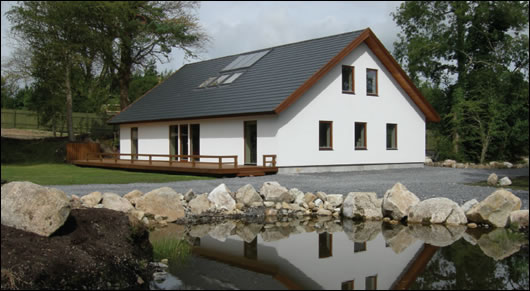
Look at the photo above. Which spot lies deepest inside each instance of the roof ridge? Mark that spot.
(282, 45)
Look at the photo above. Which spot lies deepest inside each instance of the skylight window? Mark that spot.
(232, 78)
(245, 61)
(205, 83)
(219, 80)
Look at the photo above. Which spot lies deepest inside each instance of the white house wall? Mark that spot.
(298, 135)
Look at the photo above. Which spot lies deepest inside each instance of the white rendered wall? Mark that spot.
(125, 141)
(299, 124)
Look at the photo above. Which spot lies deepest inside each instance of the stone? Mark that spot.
(469, 204)
(273, 191)
(335, 200)
(34, 208)
(437, 211)
(162, 201)
(362, 205)
(472, 225)
(114, 201)
(437, 234)
(507, 165)
(269, 204)
(240, 206)
(397, 202)
(221, 198)
(309, 197)
(271, 212)
(460, 165)
(519, 219)
(428, 161)
(299, 196)
(133, 196)
(92, 199)
(324, 212)
(322, 196)
(493, 179)
(449, 163)
(318, 202)
(278, 206)
(248, 195)
(137, 214)
(200, 204)
(495, 209)
(75, 202)
(505, 181)
(188, 196)
(286, 205)
(256, 204)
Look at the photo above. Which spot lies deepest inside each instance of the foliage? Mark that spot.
(470, 59)
(173, 249)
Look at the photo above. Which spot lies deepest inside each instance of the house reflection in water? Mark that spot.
(341, 260)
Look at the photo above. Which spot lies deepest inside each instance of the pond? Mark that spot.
(339, 254)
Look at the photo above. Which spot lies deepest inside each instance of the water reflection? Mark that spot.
(326, 253)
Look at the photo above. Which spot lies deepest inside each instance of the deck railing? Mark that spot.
(191, 159)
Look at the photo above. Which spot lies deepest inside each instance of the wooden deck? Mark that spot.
(201, 165)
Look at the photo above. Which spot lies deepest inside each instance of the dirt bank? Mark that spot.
(95, 249)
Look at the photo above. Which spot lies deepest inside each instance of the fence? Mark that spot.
(82, 122)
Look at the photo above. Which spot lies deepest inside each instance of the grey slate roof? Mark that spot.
(260, 89)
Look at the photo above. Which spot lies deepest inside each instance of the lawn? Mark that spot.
(65, 174)
(518, 183)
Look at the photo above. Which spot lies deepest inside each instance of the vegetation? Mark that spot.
(470, 59)
(173, 249)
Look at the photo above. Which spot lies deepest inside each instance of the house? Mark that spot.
(335, 103)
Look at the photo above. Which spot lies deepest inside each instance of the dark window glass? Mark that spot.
(391, 136)
(325, 135)
(371, 82)
(360, 135)
(347, 79)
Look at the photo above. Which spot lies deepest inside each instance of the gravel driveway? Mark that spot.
(426, 183)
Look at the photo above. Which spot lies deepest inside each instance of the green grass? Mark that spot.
(175, 250)
(518, 183)
(65, 174)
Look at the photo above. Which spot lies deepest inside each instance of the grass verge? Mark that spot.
(518, 183)
(65, 174)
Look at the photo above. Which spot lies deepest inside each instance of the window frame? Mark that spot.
(395, 136)
(376, 82)
(352, 68)
(365, 136)
(330, 147)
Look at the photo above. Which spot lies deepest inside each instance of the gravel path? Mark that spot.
(426, 183)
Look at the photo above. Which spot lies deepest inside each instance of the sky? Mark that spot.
(238, 27)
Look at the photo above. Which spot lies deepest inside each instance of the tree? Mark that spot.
(134, 33)
(476, 53)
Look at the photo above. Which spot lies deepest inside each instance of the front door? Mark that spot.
(251, 142)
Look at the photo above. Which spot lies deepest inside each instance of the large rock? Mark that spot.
(133, 196)
(200, 204)
(92, 199)
(362, 205)
(34, 208)
(248, 195)
(336, 200)
(164, 202)
(222, 199)
(397, 202)
(495, 209)
(469, 204)
(505, 182)
(493, 179)
(309, 197)
(273, 191)
(116, 202)
(437, 211)
(519, 219)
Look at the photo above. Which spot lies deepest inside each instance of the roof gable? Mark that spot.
(270, 85)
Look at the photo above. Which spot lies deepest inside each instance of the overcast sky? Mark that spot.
(237, 27)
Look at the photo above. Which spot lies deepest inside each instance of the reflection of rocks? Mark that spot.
(361, 232)
(398, 237)
(437, 211)
(436, 234)
(248, 232)
(276, 233)
(200, 230)
(172, 230)
(495, 209)
(222, 231)
(499, 244)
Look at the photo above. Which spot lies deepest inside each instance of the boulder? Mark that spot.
(299, 196)
(495, 209)
(162, 201)
(324, 212)
(200, 204)
(519, 219)
(505, 182)
(428, 161)
(133, 196)
(469, 204)
(449, 163)
(362, 205)
(507, 165)
(221, 198)
(116, 202)
(493, 179)
(92, 199)
(309, 197)
(335, 200)
(189, 195)
(34, 208)
(273, 191)
(397, 201)
(437, 211)
(248, 195)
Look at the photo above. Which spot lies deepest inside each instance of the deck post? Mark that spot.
(150, 159)
(235, 161)
(193, 161)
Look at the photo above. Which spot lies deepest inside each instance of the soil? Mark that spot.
(95, 249)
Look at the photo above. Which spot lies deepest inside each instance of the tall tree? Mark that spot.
(469, 51)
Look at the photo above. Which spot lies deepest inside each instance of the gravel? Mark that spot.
(426, 183)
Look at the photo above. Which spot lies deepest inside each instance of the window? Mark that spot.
(232, 78)
(218, 81)
(360, 136)
(208, 81)
(371, 82)
(391, 136)
(348, 285)
(173, 141)
(371, 283)
(348, 85)
(325, 135)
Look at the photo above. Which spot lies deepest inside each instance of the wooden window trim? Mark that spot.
(395, 137)
(376, 83)
(352, 80)
(330, 148)
(365, 147)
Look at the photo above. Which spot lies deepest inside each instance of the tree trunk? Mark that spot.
(69, 119)
(124, 71)
(125, 77)
(485, 145)
(460, 14)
